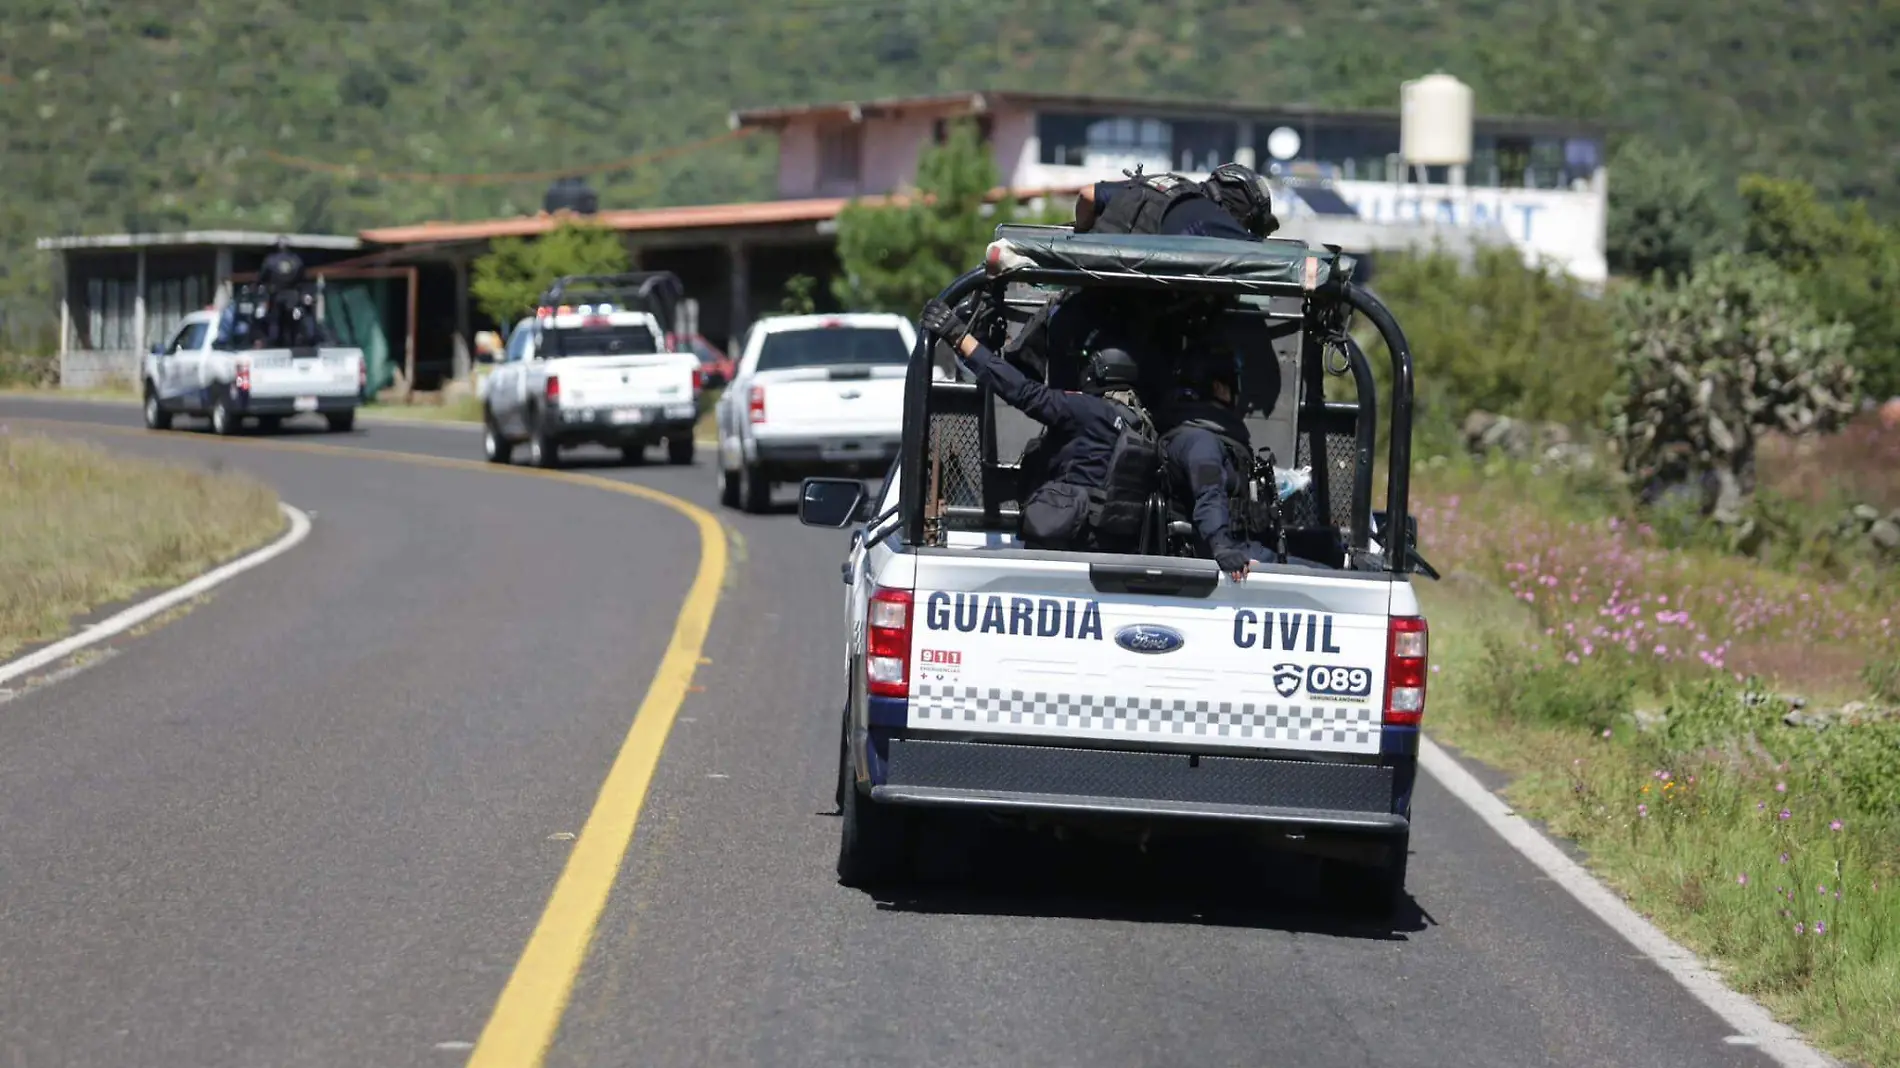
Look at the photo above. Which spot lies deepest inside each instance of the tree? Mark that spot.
(508, 281)
(1847, 263)
(1666, 211)
(1709, 365)
(798, 298)
(896, 257)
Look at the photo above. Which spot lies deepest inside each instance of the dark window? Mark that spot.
(832, 347)
(1064, 139)
(838, 155)
(1513, 162)
(1356, 152)
(599, 341)
(1070, 140)
(1202, 146)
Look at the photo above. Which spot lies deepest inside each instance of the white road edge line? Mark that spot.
(1776, 1039)
(144, 610)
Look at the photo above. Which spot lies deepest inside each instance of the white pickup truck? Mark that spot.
(1147, 691)
(811, 395)
(200, 372)
(596, 365)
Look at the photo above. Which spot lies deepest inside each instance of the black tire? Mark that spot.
(156, 417)
(634, 453)
(225, 420)
(679, 450)
(755, 493)
(728, 487)
(270, 422)
(1374, 892)
(342, 422)
(543, 450)
(873, 840)
(496, 449)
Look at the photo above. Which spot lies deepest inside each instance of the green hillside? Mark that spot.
(121, 114)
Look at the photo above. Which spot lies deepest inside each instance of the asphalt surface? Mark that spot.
(315, 820)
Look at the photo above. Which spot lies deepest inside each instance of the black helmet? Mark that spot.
(1245, 195)
(1110, 368)
(1199, 370)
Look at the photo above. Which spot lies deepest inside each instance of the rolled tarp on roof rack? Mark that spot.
(1055, 254)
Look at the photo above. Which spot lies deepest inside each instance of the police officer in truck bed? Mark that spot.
(1088, 479)
(1234, 203)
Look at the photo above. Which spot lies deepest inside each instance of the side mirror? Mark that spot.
(830, 502)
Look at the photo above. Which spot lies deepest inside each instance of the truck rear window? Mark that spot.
(599, 341)
(832, 347)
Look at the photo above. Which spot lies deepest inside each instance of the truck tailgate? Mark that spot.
(1054, 647)
(821, 401)
(625, 381)
(304, 372)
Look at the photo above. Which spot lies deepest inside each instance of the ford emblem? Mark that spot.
(1149, 638)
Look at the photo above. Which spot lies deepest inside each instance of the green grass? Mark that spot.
(81, 527)
(1684, 817)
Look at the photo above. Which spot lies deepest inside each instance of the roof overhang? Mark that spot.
(856, 111)
(198, 238)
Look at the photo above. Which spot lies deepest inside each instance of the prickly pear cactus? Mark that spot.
(1731, 352)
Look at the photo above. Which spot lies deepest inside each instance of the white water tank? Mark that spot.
(1435, 116)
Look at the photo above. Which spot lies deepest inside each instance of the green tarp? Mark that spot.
(355, 312)
(1266, 266)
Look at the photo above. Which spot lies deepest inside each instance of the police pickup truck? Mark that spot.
(598, 363)
(214, 365)
(1148, 688)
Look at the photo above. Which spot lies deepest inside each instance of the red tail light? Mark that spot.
(887, 644)
(1407, 649)
(755, 404)
(672, 341)
(554, 389)
(243, 381)
(697, 380)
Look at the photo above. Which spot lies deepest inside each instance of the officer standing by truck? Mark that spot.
(1096, 465)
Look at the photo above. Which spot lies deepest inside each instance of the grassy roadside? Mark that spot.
(81, 527)
(1630, 689)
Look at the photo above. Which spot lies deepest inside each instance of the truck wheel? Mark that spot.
(156, 417)
(679, 450)
(633, 453)
(495, 448)
(225, 421)
(728, 487)
(1374, 892)
(755, 493)
(342, 422)
(872, 843)
(542, 450)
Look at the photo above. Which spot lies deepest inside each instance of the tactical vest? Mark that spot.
(1138, 208)
(1246, 517)
(1110, 516)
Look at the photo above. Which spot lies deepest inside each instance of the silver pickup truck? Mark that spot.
(1146, 688)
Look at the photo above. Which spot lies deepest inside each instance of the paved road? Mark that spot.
(309, 824)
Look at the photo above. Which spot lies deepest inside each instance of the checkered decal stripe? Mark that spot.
(1309, 727)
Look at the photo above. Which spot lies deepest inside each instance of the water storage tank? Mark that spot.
(571, 194)
(1435, 114)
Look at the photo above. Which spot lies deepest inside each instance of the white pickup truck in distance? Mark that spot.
(200, 372)
(1148, 690)
(594, 365)
(812, 395)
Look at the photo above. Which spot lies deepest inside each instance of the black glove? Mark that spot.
(1231, 560)
(941, 320)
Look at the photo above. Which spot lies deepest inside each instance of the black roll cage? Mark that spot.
(1325, 311)
(659, 293)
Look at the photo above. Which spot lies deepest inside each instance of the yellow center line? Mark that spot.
(531, 1005)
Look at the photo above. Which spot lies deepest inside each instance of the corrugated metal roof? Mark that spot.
(208, 238)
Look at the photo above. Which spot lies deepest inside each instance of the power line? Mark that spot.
(504, 177)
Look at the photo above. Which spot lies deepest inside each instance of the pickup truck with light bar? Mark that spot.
(600, 362)
(211, 368)
(1145, 692)
(811, 395)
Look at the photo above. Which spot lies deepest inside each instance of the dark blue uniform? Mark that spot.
(1189, 216)
(1196, 460)
(1082, 427)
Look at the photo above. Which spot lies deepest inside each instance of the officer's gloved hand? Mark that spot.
(1232, 561)
(942, 320)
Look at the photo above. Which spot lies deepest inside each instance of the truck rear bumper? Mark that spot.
(844, 457)
(251, 404)
(606, 425)
(1334, 795)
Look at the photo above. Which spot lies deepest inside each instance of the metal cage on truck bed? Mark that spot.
(1291, 309)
